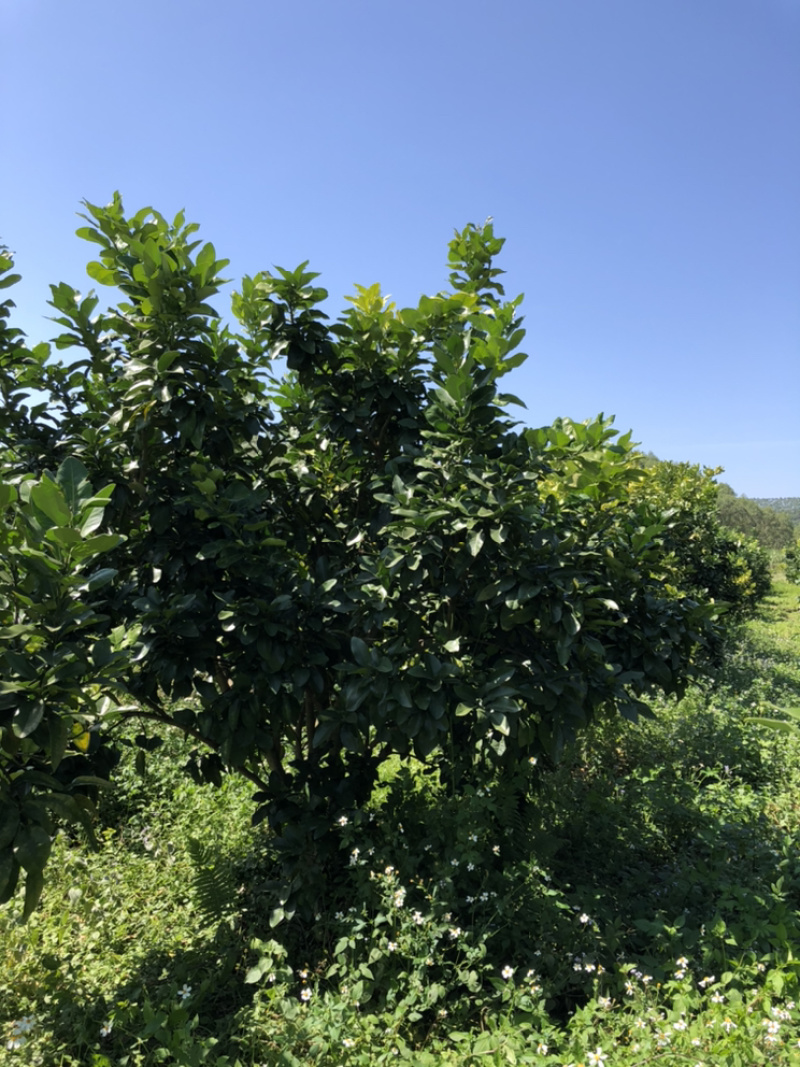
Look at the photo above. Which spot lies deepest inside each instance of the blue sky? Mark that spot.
(642, 158)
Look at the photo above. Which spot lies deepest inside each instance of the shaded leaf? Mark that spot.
(32, 847)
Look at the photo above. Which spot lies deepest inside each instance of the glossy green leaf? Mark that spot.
(50, 501)
(9, 821)
(781, 725)
(165, 361)
(60, 730)
(101, 274)
(73, 481)
(95, 545)
(32, 847)
(7, 494)
(34, 884)
(100, 578)
(9, 874)
(28, 717)
(361, 653)
(475, 542)
(91, 519)
(63, 535)
(89, 233)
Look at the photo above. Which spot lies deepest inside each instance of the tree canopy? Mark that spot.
(311, 545)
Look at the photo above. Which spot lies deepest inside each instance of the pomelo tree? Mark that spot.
(307, 545)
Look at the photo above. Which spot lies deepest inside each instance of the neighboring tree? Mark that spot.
(708, 559)
(793, 563)
(362, 557)
(60, 665)
(60, 662)
(648, 459)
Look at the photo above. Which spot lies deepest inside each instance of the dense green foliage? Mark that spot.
(308, 574)
(58, 659)
(709, 559)
(785, 505)
(770, 527)
(793, 563)
(643, 900)
(768, 521)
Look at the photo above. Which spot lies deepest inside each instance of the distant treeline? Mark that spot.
(770, 520)
(772, 528)
(786, 505)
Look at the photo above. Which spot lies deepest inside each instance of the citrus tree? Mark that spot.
(701, 554)
(324, 543)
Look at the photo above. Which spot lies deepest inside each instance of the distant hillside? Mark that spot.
(786, 505)
(771, 528)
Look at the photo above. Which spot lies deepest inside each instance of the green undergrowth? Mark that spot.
(638, 904)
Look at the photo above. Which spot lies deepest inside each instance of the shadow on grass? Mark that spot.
(657, 877)
(643, 847)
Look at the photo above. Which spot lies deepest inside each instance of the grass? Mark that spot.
(639, 904)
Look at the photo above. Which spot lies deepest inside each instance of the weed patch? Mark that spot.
(639, 903)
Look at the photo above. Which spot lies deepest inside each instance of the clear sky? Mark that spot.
(642, 158)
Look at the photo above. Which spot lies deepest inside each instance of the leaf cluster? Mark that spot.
(60, 662)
